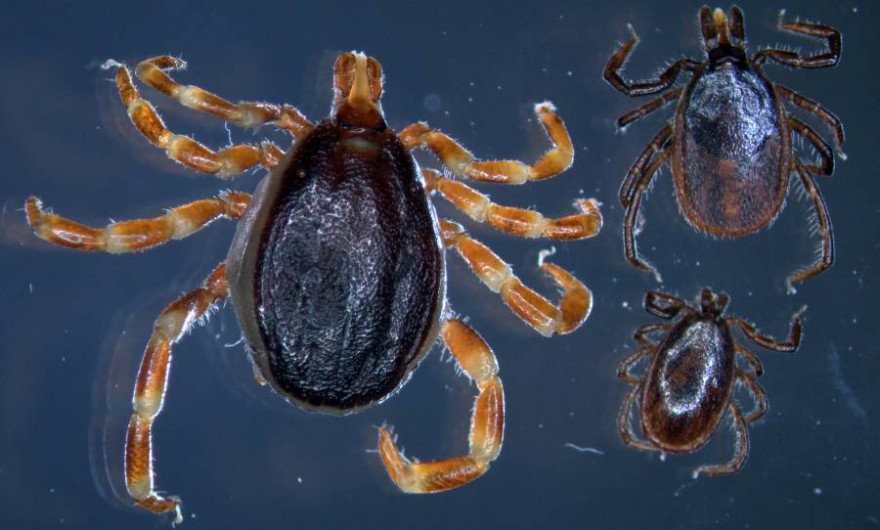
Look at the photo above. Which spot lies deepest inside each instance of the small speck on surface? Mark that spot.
(433, 103)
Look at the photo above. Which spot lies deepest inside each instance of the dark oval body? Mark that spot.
(731, 160)
(336, 271)
(689, 384)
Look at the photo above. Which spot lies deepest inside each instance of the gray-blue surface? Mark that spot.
(74, 324)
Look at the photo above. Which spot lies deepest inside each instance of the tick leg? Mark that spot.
(825, 154)
(658, 144)
(649, 347)
(795, 60)
(833, 122)
(649, 107)
(477, 361)
(823, 222)
(624, 425)
(462, 163)
(794, 337)
(757, 392)
(612, 71)
(225, 163)
(517, 221)
(665, 305)
(641, 334)
(152, 382)
(244, 114)
(623, 371)
(132, 236)
(742, 448)
(752, 359)
(532, 308)
(632, 212)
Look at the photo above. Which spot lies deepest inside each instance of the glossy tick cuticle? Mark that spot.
(688, 386)
(730, 142)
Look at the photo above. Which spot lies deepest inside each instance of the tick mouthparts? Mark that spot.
(721, 26)
(360, 97)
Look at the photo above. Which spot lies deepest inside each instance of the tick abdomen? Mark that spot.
(689, 384)
(730, 153)
(347, 279)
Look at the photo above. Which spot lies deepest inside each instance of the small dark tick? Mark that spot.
(689, 383)
(337, 272)
(730, 141)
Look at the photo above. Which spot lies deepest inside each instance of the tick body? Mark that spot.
(729, 164)
(337, 270)
(688, 386)
(730, 142)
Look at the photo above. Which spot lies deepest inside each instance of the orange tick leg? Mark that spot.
(225, 163)
(462, 163)
(517, 221)
(531, 307)
(131, 236)
(477, 361)
(152, 381)
(244, 114)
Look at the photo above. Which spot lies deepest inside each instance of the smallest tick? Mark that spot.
(689, 384)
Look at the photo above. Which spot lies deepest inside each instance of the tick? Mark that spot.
(688, 386)
(337, 270)
(730, 143)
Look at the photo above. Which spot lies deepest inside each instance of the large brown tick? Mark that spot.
(337, 270)
(689, 384)
(730, 141)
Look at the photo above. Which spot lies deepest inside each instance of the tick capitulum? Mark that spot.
(688, 386)
(730, 142)
(337, 270)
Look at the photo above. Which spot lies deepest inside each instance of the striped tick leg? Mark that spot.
(476, 360)
(531, 307)
(225, 163)
(462, 163)
(516, 221)
(153, 72)
(152, 381)
(131, 236)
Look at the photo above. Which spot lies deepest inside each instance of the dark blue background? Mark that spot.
(73, 324)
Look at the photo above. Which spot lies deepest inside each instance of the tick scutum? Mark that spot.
(689, 384)
(337, 272)
(729, 158)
